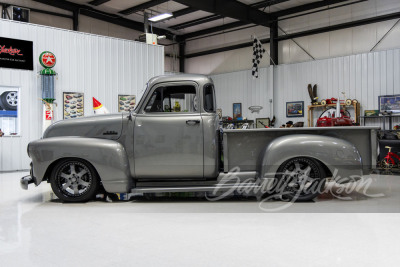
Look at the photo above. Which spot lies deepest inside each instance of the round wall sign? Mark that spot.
(47, 59)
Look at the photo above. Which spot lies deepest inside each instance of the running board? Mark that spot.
(220, 188)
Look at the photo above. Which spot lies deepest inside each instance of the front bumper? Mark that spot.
(25, 181)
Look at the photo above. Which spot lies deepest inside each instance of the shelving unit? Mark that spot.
(310, 109)
(384, 117)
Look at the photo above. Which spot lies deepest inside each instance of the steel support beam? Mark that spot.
(196, 22)
(341, 26)
(224, 49)
(306, 7)
(111, 18)
(216, 17)
(273, 44)
(230, 8)
(214, 29)
(75, 20)
(141, 7)
(98, 2)
(286, 12)
(356, 23)
(182, 57)
(263, 4)
(183, 12)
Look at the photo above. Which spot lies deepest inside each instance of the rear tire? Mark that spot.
(74, 180)
(300, 179)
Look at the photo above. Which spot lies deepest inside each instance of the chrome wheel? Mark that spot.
(74, 180)
(9, 100)
(300, 179)
(12, 99)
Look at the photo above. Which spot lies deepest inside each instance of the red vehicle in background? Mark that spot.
(328, 118)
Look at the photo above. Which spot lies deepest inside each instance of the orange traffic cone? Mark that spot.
(98, 108)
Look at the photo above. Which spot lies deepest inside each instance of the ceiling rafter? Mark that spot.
(199, 21)
(230, 8)
(111, 18)
(141, 7)
(341, 26)
(214, 29)
(306, 7)
(275, 15)
(98, 2)
(196, 22)
(183, 12)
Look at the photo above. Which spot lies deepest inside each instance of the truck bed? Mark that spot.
(242, 147)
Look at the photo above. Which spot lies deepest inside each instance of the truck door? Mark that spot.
(168, 135)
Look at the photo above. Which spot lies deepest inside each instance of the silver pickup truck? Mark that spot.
(172, 142)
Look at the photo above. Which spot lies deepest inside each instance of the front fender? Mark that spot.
(108, 157)
(339, 156)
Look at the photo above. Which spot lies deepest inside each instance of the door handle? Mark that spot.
(192, 122)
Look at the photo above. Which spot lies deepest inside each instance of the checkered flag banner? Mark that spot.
(258, 52)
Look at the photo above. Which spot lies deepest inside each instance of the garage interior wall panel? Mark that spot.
(241, 87)
(363, 77)
(98, 66)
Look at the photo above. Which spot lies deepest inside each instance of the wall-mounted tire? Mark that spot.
(74, 180)
(9, 100)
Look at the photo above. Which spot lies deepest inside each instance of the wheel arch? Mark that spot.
(50, 168)
(107, 157)
(338, 157)
(323, 165)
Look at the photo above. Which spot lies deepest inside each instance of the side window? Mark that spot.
(209, 99)
(173, 99)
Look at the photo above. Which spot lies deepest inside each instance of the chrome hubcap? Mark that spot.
(12, 98)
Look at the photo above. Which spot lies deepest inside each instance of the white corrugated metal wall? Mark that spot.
(98, 66)
(363, 77)
(240, 87)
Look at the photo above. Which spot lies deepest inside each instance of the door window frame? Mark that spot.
(166, 84)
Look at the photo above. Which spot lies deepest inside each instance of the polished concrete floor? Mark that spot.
(356, 225)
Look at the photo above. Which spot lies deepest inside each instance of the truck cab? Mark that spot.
(176, 129)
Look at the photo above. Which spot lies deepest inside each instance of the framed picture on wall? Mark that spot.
(262, 122)
(9, 111)
(237, 110)
(73, 105)
(295, 109)
(389, 103)
(126, 102)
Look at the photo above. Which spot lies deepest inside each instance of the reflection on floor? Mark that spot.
(38, 230)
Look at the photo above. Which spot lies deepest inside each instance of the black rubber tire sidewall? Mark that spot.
(89, 195)
(316, 166)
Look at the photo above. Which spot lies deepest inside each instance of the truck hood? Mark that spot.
(101, 126)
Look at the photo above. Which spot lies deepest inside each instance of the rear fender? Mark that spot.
(341, 157)
(108, 157)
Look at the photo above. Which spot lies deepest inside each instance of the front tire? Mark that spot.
(74, 180)
(300, 179)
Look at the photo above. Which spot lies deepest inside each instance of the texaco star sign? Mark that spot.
(47, 59)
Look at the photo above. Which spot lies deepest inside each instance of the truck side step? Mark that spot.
(225, 187)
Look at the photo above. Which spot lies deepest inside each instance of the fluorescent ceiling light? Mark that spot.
(160, 17)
